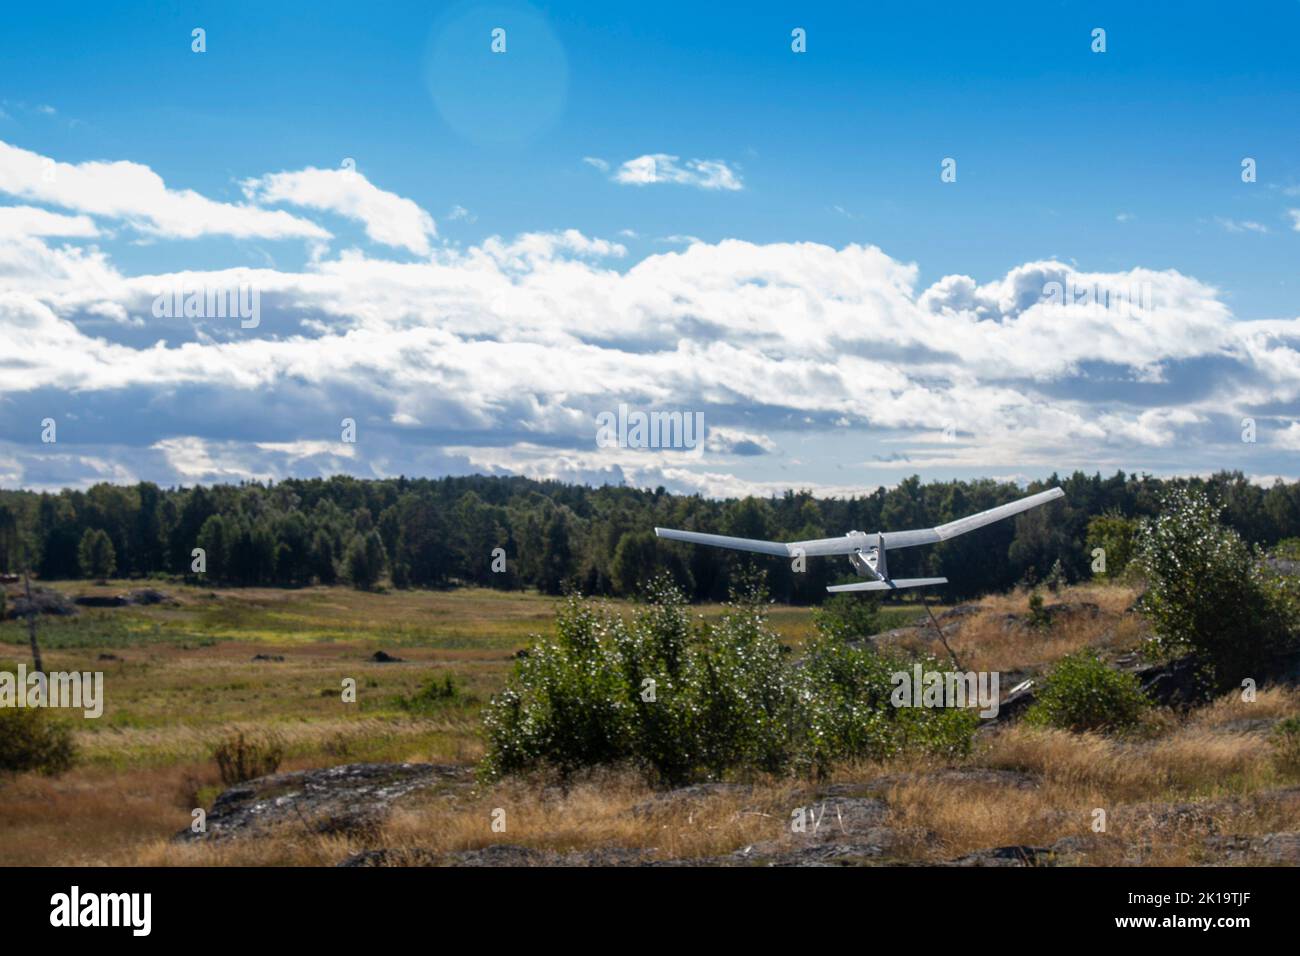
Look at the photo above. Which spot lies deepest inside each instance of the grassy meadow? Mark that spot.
(181, 677)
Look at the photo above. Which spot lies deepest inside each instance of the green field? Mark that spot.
(457, 619)
(177, 675)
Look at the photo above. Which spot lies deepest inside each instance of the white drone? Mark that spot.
(866, 552)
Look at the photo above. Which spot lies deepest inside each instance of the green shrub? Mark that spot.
(1288, 549)
(741, 690)
(1210, 593)
(30, 739)
(1081, 693)
(566, 703)
(846, 711)
(690, 702)
(1286, 745)
(240, 758)
(434, 695)
(1056, 578)
(848, 616)
(1039, 619)
(658, 668)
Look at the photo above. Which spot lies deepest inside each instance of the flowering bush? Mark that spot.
(689, 702)
(1207, 591)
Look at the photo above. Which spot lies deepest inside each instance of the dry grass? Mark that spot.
(89, 816)
(592, 815)
(987, 643)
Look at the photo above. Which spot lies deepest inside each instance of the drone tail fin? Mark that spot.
(887, 585)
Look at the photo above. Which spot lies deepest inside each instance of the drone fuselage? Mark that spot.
(869, 562)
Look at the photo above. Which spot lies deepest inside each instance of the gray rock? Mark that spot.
(1271, 848)
(101, 600)
(1177, 683)
(1018, 855)
(346, 799)
(857, 853)
(682, 798)
(1283, 566)
(1013, 707)
(43, 601)
(1070, 610)
(150, 596)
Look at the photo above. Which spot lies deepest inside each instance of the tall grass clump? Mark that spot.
(240, 757)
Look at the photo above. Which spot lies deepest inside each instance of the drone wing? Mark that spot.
(724, 541)
(844, 544)
(857, 541)
(908, 539)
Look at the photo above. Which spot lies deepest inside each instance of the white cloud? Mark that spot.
(815, 366)
(663, 168)
(193, 460)
(388, 218)
(1245, 225)
(1289, 437)
(19, 221)
(137, 195)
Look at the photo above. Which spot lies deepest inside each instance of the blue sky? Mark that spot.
(1101, 163)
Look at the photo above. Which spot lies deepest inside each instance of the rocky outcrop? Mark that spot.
(1177, 683)
(1270, 849)
(43, 601)
(683, 799)
(142, 596)
(1018, 855)
(150, 596)
(101, 600)
(347, 799)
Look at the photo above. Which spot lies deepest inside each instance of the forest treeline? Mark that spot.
(510, 532)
